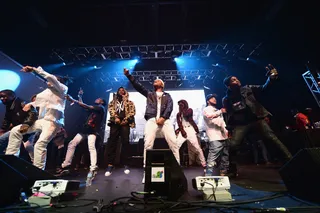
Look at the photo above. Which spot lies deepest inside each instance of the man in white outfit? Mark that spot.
(215, 126)
(188, 129)
(158, 111)
(51, 103)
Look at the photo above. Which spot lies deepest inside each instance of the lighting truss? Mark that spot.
(193, 76)
(83, 54)
(313, 85)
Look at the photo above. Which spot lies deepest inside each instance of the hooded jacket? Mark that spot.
(187, 114)
(129, 109)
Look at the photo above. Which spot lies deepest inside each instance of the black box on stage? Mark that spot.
(163, 175)
(16, 176)
(301, 174)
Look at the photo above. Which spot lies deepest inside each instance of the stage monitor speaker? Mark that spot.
(16, 176)
(164, 176)
(301, 174)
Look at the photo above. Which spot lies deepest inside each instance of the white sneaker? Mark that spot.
(109, 171)
(126, 170)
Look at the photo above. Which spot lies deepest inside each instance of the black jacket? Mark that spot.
(248, 95)
(15, 115)
(151, 108)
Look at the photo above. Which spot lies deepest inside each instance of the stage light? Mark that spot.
(217, 64)
(95, 67)
(9, 80)
(248, 59)
(63, 64)
(135, 61)
(176, 59)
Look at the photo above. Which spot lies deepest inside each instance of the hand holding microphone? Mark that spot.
(271, 72)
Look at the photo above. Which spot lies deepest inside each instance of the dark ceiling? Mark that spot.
(35, 26)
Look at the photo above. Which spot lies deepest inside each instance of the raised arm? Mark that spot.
(136, 84)
(48, 77)
(272, 74)
(83, 105)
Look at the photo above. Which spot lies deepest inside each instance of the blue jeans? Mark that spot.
(4, 139)
(218, 156)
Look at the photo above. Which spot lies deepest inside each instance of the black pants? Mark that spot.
(259, 127)
(123, 132)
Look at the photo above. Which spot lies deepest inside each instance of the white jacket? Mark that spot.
(51, 101)
(214, 124)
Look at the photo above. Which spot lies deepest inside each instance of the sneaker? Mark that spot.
(109, 171)
(90, 177)
(62, 171)
(126, 170)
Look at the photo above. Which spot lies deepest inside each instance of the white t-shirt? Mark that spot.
(159, 96)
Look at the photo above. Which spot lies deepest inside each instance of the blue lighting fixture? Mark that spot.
(95, 66)
(64, 63)
(217, 64)
(9, 80)
(248, 59)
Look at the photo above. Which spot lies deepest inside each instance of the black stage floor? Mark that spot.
(253, 182)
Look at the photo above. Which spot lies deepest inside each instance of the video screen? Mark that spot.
(195, 98)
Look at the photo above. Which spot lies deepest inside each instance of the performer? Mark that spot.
(122, 112)
(158, 110)
(245, 113)
(14, 116)
(51, 103)
(188, 129)
(90, 130)
(217, 133)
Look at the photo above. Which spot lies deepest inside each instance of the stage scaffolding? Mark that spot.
(160, 51)
(312, 81)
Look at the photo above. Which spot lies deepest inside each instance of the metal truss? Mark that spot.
(312, 83)
(82, 54)
(204, 76)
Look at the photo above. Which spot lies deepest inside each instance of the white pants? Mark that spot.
(194, 142)
(48, 131)
(72, 147)
(167, 130)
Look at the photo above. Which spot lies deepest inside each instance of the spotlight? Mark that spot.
(248, 59)
(95, 66)
(63, 63)
(176, 59)
(217, 64)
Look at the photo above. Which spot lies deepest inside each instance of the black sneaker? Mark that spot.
(126, 170)
(109, 171)
(62, 171)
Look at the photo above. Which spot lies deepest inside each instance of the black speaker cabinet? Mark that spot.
(16, 176)
(163, 175)
(301, 174)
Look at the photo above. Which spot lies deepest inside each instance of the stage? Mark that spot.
(253, 182)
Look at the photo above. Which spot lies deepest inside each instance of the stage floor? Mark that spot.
(253, 182)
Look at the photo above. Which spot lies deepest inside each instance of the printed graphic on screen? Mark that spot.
(195, 98)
